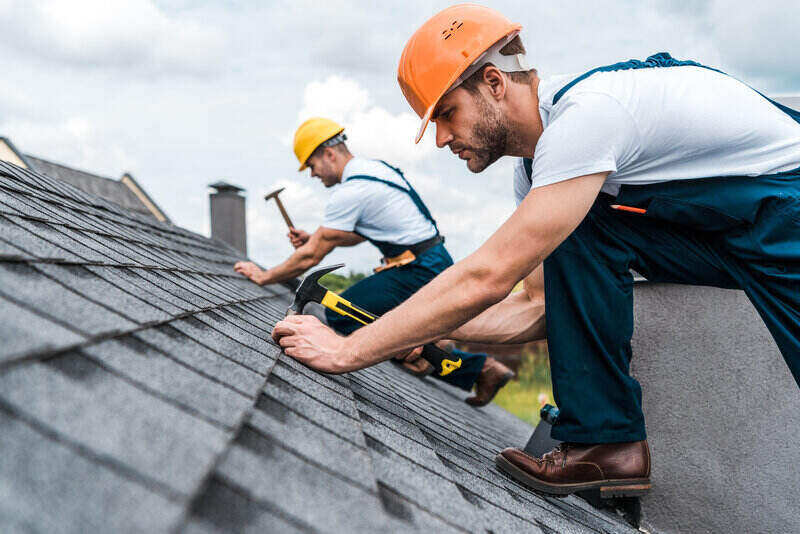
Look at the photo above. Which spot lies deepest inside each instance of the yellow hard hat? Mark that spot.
(310, 135)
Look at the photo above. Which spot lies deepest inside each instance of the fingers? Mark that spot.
(282, 329)
(292, 325)
(414, 355)
(243, 267)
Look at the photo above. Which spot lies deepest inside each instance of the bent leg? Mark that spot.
(767, 265)
(589, 313)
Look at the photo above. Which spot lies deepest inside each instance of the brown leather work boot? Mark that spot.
(616, 469)
(494, 375)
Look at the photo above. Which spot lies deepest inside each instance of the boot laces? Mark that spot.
(560, 452)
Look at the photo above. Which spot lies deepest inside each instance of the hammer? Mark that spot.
(310, 290)
(274, 195)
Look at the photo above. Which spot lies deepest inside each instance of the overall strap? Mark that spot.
(411, 192)
(527, 164)
(661, 60)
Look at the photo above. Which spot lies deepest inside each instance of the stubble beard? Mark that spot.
(490, 137)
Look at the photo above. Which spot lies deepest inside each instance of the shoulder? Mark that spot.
(366, 167)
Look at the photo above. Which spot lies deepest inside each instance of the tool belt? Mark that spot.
(410, 254)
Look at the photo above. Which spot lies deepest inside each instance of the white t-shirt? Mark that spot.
(657, 124)
(375, 210)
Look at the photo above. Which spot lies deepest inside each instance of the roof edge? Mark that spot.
(131, 183)
(22, 159)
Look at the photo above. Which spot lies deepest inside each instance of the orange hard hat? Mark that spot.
(442, 49)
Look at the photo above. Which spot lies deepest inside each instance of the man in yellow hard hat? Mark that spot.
(664, 166)
(373, 201)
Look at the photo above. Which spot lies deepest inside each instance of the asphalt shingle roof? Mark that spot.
(140, 391)
(108, 188)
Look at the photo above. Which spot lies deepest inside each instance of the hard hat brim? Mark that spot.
(425, 120)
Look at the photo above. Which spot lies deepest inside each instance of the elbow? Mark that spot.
(490, 287)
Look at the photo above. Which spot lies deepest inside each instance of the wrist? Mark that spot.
(350, 353)
(263, 278)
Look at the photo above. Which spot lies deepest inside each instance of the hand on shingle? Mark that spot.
(250, 270)
(307, 340)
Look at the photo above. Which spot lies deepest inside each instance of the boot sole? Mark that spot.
(632, 487)
(503, 381)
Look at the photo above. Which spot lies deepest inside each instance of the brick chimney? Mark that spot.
(228, 215)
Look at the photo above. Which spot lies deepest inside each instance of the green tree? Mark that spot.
(338, 283)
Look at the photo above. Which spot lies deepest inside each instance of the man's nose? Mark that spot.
(443, 136)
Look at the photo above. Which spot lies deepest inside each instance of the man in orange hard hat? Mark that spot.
(664, 166)
(373, 201)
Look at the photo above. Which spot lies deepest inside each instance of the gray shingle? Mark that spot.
(71, 240)
(292, 398)
(218, 321)
(181, 347)
(39, 292)
(170, 377)
(47, 487)
(32, 243)
(98, 289)
(235, 350)
(9, 251)
(89, 406)
(225, 508)
(301, 489)
(24, 332)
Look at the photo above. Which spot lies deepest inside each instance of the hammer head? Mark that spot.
(274, 193)
(310, 289)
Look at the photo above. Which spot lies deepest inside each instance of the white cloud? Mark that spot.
(74, 140)
(761, 40)
(103, 86)
(129, 34)
(468, 207)
(372, 131)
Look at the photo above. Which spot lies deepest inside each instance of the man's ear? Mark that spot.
(495, 81)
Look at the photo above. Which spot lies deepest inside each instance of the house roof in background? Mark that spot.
(140, 391)
(126, 191)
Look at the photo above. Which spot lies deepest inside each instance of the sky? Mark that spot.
(183, 93)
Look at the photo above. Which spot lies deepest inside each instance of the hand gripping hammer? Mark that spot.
(310, 290)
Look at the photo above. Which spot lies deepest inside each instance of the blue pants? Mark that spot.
(385, 290)
(738, 233)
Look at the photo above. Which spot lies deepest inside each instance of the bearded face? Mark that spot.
(472, 127)
(489, 136)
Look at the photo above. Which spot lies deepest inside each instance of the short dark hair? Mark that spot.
(513, 47)
(339, 147)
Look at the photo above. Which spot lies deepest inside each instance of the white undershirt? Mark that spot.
(376, 210)
(658, 124)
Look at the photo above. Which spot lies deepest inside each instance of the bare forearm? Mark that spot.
(515, 319)
(421, 322)
(464, 291)
(469, 287)
(297, 264)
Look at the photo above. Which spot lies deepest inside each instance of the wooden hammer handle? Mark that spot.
(283, 212)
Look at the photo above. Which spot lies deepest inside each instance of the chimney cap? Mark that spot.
(225, 187)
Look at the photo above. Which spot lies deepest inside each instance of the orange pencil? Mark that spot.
(631, 209)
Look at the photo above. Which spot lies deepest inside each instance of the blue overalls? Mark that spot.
(731, 232)
(386, 289)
